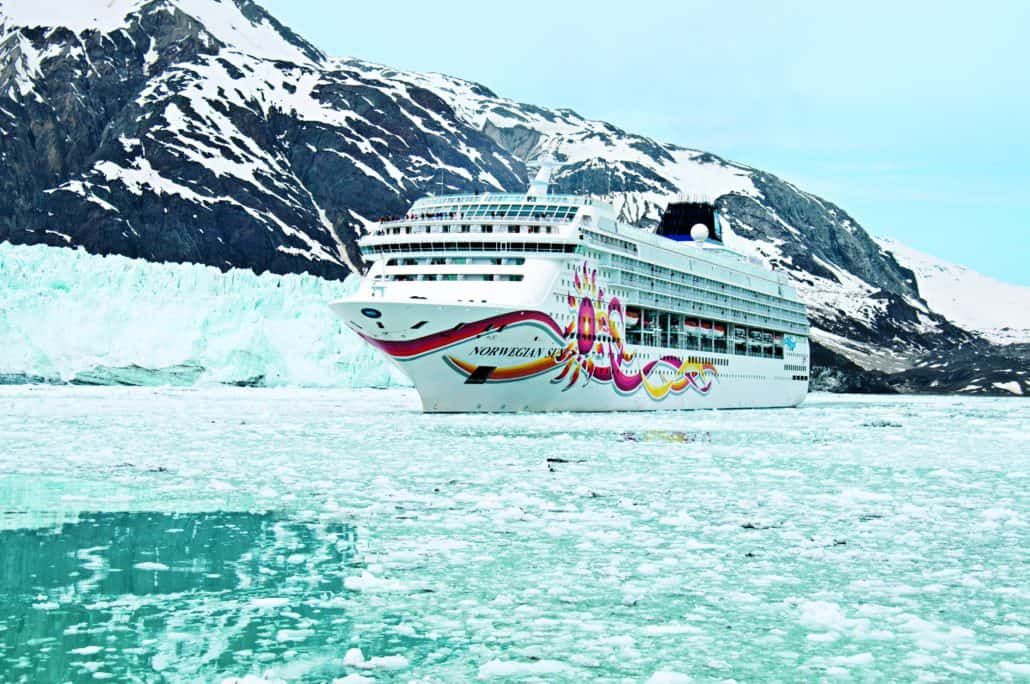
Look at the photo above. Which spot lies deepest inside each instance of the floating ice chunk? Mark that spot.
(355, 658)
(1013, 630)
(658, 630)
(681, 519)
(853, 660)
(354, 678)
(668, 677)
(822, 614)
(293, 634)
(269, 602)
(823, 637)
(390, 662)
(405, 629)
(87, 650)
(512, 668)
(1010, 647)
(370, 583)
(151, 565)
(620, 640)
(1021, 669)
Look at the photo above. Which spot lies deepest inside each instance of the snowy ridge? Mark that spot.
(638, 171)
(77, 16)
(69, 316)
(999, 311)
(226, 22)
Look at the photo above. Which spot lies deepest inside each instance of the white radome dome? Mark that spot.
(699, 232)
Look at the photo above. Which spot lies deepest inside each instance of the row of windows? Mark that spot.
(501, 210)
(538, 211)
(697, 291)
(407, 277)
(714, 360)
(681, 300)
(470, 261)
(466, 228)
(635, 267)
(610, 241)
(698, 307)
(675, 331)
(795, 367)
(376, 250)
(701, 309)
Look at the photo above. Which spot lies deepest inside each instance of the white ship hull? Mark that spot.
(472, 358)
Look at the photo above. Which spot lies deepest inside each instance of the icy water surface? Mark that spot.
(199, 535)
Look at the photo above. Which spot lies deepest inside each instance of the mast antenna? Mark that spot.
(545, 165)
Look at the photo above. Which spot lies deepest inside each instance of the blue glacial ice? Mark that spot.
(231, 534)
(69, 316)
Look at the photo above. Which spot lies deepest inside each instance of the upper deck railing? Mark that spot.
(497, 197)
(424, 224)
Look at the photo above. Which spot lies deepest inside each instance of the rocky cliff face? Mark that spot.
(205, 131)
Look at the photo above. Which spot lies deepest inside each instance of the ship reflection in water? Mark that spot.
(129, 595)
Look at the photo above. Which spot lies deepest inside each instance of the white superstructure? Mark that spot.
(536, 302)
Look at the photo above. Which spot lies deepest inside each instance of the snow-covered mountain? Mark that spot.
(998, 311)
(205, 131)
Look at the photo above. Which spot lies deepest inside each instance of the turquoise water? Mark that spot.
(309, 535)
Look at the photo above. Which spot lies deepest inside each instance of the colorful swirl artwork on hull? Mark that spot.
(595, 351)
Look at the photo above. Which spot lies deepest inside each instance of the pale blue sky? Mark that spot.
(914, 117)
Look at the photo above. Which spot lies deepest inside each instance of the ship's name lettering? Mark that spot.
(517, 352)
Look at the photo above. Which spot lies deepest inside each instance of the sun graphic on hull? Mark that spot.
(594, 336)
(596, 349)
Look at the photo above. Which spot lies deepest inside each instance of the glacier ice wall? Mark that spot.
(70, 316)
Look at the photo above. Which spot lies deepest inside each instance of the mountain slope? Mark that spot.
(998, 311)
(204, 131)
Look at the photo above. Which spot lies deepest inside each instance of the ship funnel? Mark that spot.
(544, 165)
(691, 221)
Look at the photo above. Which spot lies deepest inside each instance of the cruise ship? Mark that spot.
(538, 302)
